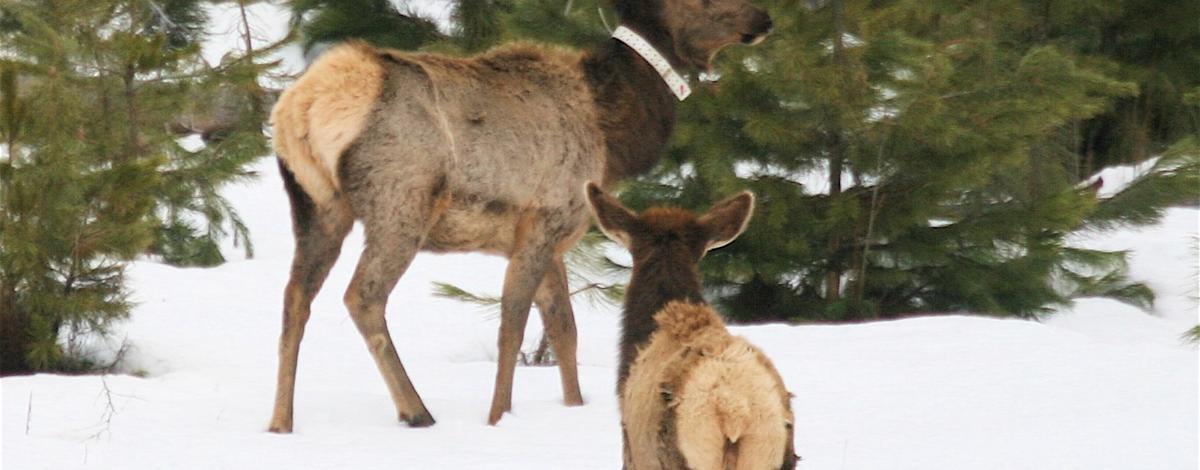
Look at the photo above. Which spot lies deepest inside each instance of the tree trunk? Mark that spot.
(833, 277)
(133, 144)
(256, 99)
(15, 339)
(837, 156)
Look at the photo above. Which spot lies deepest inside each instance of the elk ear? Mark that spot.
(727, 219)
(614, 219)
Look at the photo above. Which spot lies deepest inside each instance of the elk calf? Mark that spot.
(692, 395)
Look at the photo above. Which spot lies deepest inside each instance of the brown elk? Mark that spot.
(487, 154)
(692, 395)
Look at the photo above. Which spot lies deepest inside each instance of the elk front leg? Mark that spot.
(553, 300)
(526, 266)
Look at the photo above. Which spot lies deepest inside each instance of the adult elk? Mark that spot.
(487, 154)
(692, 395)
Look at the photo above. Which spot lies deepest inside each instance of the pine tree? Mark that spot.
(375, 21)
(1152, 43)
(947, 158)
(576, 23)
(95, 97)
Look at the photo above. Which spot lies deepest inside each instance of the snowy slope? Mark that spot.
(1098, 386)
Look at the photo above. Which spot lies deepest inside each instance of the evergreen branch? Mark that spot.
(591, 286)
(1193, 335)
(587, 258)
(453, 292)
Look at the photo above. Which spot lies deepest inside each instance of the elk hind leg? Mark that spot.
(395, 228)
(532, 255)
(319, 232)
(553, 300)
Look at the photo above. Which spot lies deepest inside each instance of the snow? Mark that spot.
(1165, 256)
(813, 181)
(1100, 385)
(436, 10)
(1119, 177)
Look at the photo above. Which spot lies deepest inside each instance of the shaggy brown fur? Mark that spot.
(695, 397)
(486, 153)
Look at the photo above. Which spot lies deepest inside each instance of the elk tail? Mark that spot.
(323, 113)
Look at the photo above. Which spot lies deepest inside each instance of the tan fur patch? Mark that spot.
(685, 322)
(643, 403)
(321, 114)
(735, 391)
(725, 392)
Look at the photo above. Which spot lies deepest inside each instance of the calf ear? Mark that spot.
(727, 219)
(614, 219)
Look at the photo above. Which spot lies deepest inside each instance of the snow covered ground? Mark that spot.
(1099, 386)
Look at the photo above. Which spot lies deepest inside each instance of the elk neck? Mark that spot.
(654, 283)
(636, 108)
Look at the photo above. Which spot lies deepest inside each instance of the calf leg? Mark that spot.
(319, 233)
(553, 300)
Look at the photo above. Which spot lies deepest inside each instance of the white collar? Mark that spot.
(675, 82)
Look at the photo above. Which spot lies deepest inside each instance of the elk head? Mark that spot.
(698, 29)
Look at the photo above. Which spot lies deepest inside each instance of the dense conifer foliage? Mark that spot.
(914, 156)
(117, 138)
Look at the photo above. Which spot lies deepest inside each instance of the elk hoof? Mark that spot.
(280, 429)
(422, 420)
(494, 417)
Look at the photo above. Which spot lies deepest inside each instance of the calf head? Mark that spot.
(667, 233)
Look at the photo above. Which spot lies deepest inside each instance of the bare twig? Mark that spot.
(109, 409)
(162, 15)
(539, 357)
(246, 34)
(604, 20)
(118, 357)
(876, 204)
